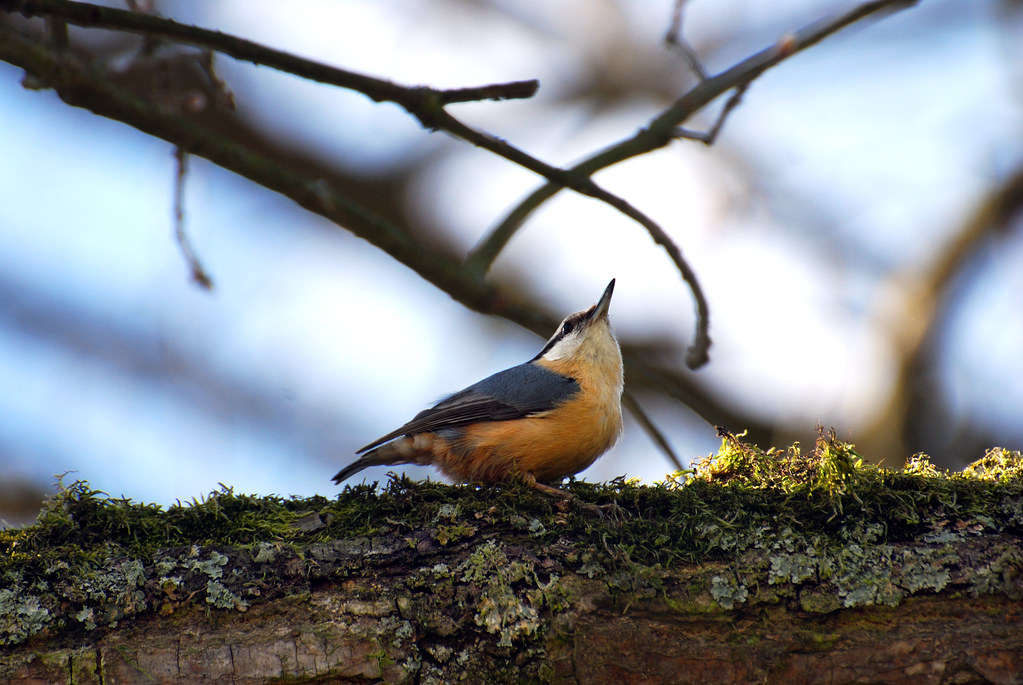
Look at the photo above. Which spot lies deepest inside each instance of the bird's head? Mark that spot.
(586, 333)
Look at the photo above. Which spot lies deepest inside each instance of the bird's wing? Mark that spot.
(514, 393)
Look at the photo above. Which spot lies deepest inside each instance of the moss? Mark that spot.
(998, 465)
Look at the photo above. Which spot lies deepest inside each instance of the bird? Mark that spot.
(537, 422)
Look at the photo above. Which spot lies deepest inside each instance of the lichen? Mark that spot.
(500, 609)
(728, 591)
(220, 596)
(21, 616)
(793, 568)
(212, 567)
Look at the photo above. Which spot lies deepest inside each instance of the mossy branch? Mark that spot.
(388, 582)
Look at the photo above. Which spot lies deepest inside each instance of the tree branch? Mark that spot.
(921, 313)
(650, 428)
(80, 84)
(664, 127)
(918, 580)
(426, 104)
(676, 39)
(708, 137)
(153, 26)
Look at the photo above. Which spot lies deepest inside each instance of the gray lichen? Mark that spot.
(220, 597)
(728, 591)
(21, 616)
(500, 609)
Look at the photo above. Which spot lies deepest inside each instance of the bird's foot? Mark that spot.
(568, 499)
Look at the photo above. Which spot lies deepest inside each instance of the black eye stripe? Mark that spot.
(567, 326)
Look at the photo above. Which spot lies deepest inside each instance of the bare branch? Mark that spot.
(513, 90)
(80, 84)
(426, 104)
(664, 127)
(662, 130)
(922, 314)
(152, 26)
(643, 372)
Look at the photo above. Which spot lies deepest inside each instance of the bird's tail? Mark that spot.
(411, 449)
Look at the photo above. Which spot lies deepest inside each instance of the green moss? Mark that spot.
(815, 641)
(997, 465)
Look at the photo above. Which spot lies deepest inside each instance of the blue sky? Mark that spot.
(880, 141)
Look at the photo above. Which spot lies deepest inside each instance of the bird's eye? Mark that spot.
(567, 328)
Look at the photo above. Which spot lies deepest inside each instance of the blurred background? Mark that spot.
(855, 228)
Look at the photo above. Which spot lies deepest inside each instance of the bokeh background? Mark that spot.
(854, 227)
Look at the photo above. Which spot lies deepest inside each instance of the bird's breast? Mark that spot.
(551, 445)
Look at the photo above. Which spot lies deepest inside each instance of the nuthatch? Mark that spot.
(539, 421)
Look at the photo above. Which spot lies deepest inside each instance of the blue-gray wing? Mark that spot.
(514, 393)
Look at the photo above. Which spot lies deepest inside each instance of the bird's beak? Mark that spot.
(600, 309)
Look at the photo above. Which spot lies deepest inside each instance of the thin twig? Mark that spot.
(199, 275)
(512, 90)
(629, 402)
(710, 136)
(676, 38)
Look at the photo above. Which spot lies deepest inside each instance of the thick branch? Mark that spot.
(805, 564)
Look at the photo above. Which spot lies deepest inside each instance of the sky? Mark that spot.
(313, 342)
